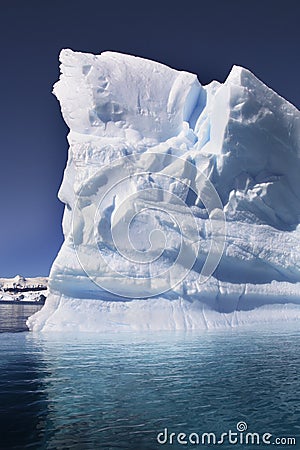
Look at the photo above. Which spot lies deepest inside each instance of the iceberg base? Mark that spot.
(62, 313)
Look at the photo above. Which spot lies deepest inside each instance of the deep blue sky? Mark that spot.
(203, 37)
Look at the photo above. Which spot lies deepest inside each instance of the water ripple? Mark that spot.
(117, 392)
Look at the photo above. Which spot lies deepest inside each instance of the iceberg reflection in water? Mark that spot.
(118, 392)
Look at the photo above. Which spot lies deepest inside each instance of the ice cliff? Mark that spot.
(182, 201)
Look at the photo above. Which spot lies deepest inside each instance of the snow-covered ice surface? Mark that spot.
(182, 201)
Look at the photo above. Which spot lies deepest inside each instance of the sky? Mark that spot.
(202, 37)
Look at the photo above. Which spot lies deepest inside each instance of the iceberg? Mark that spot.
(182, 201)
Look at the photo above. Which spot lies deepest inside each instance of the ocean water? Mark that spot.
(13, 317)
(86, 391)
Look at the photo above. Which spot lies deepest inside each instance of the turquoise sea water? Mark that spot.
(64, 391)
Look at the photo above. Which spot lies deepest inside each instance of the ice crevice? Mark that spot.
(156, 164)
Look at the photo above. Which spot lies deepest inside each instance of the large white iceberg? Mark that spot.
(182, 201)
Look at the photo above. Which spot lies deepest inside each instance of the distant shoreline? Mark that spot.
(21, 302)
(23, 291)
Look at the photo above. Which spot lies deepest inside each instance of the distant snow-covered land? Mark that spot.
(21, 289)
